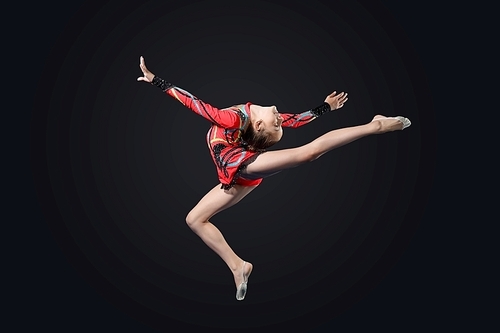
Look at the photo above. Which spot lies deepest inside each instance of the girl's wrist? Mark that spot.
(160, 83)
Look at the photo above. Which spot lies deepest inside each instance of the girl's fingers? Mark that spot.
(342, 96)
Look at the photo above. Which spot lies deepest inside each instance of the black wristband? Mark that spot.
(323, 108)
(162, 84)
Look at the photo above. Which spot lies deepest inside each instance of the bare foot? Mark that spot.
(389, 124)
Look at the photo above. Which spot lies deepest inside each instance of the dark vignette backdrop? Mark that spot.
(107, 185)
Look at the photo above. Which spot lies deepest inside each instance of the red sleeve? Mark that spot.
(225, 118)
(295, 120)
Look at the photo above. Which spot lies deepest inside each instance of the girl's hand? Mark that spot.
(335, 100)
(148, 76)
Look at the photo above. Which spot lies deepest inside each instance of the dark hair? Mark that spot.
(256, 140)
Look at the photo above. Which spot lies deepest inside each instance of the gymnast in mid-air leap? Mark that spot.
(238, 138)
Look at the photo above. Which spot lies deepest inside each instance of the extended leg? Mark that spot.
(271, 162)
(212, 203)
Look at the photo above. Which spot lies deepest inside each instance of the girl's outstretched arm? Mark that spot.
(332, 102)
(225, 118)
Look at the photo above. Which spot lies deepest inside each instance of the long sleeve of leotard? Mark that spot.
(225, 118)
(295, 120)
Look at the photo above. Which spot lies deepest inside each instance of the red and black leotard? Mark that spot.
(229, 152)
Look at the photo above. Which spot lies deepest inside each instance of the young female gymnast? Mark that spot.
(238, 140)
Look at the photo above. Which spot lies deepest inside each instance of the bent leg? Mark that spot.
(271, 162)
(212, 203)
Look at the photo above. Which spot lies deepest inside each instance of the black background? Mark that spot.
(434, 282)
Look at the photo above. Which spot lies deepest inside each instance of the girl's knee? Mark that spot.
(308, 154)
(191, 220)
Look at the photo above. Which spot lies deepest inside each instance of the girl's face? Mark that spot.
(271, 121)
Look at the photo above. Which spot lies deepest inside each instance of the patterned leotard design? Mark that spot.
(229, 152)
